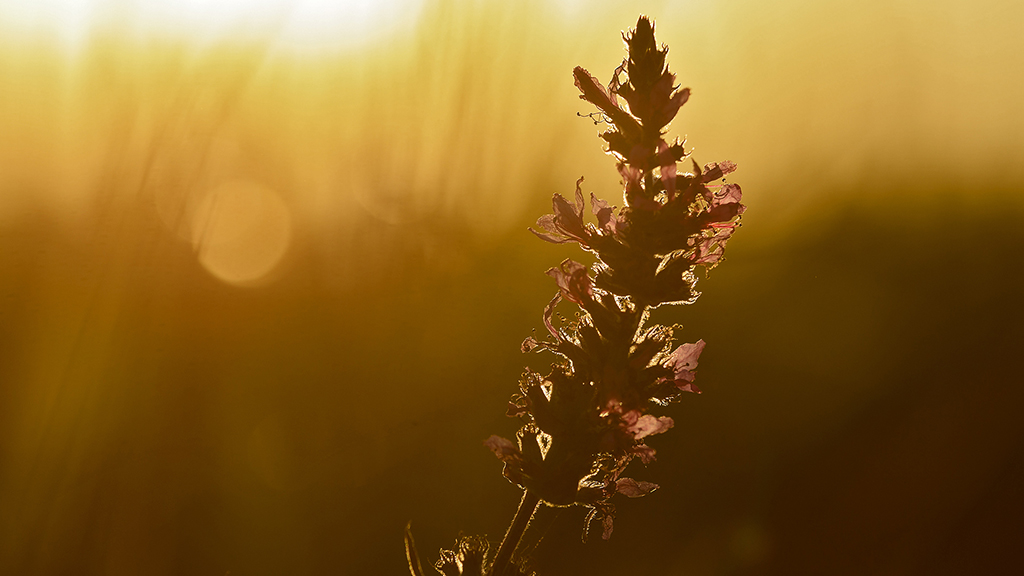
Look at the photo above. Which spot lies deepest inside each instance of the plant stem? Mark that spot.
(527, 506)
(415, 568)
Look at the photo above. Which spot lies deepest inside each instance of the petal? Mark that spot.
(563, 209)
(725, 212)
(578, 204)
(505, 449)
(568, 218)
(709, 251)
(550, 238)
(606, 220)
(633, 489)
(645, 452)
(687, 387)
(648, 425)
(593, 92)
(573, 281)
(684, 360)
(714, 171)
(606, 527)
(729, 194)
(549, 311)
(552, 232)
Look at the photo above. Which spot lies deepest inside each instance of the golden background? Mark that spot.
(262, 291)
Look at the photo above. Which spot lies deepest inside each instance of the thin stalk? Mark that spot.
(527, 506)
(415, 568)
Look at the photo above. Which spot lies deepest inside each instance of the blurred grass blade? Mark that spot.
(415, 568)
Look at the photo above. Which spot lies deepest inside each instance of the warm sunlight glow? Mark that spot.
(266, 272)
(305, 26)
(242, 230)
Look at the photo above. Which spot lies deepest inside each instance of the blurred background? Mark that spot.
(264, 273)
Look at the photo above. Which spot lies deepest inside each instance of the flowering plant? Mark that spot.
(590, 415)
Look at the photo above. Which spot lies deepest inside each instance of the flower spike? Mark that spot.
(594, 408)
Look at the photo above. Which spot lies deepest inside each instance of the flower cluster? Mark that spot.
(590, 415)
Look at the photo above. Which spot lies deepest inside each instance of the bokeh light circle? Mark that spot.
(241, 231)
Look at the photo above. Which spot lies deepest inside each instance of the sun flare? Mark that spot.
(294, 25)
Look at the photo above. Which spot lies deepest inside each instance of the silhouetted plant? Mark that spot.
(589, 417)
